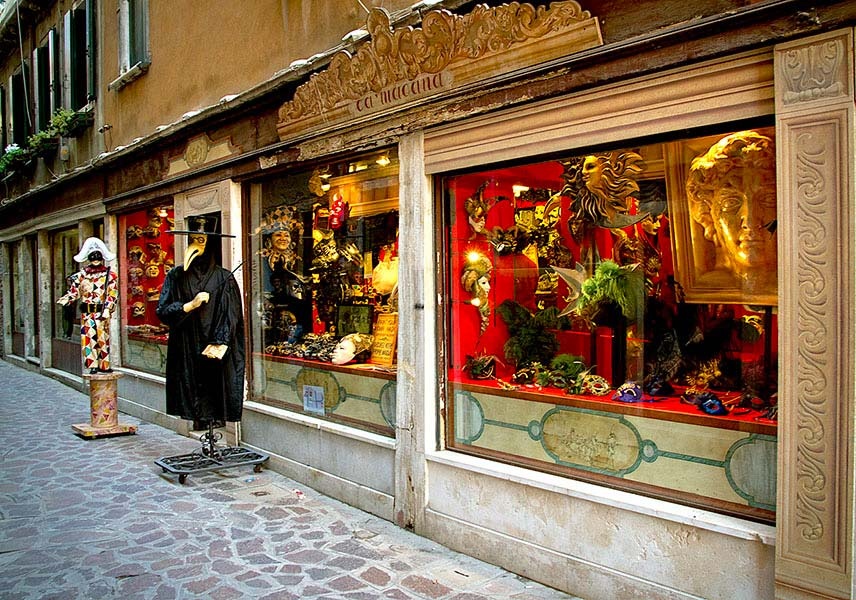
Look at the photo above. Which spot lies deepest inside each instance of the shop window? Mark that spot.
(146, 255)
(79, 35)
(66, 322)
(134, 57)
(324, 291)
(612, 316)
(46, 89)
(18, 301)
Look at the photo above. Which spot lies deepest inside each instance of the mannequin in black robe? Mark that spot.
(205, 352)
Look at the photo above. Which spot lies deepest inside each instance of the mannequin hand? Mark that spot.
(215, 351)
(200, 299)
(63, 301)
(105, 316)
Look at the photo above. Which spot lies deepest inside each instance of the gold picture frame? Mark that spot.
(698, 262)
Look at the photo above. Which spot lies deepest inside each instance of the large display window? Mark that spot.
(146, 255)
(612, 316)
(66, 319)
(325, 290)
(18, 299)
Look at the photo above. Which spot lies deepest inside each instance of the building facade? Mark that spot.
(563, 286)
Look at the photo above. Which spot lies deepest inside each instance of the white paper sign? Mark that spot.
(313, 399)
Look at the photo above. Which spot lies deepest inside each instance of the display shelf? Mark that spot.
(367, 369)
(667, 408)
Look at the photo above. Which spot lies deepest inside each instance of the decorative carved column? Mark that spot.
(814, 130)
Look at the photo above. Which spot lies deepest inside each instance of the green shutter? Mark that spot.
(91, 64)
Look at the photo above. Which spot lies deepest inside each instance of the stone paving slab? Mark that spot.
(98, 519)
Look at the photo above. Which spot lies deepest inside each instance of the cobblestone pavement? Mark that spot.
(98, 519)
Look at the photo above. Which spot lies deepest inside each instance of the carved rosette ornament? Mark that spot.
(399, 66)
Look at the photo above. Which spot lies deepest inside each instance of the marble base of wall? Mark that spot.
(595, 549)
(355, 467)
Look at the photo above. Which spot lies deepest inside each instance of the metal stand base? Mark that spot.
(211, 457)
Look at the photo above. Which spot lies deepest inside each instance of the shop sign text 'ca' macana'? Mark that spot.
(398, 68)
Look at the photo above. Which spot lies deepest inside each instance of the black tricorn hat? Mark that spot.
(201, 225)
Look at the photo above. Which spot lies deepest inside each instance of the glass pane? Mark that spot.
(325, 274)
(137, 27)
(18, 297)
(66, 324)
(615, 313)
(147, 253)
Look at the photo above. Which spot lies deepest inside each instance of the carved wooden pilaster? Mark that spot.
(814, 130)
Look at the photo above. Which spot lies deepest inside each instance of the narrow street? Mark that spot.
(98, 519)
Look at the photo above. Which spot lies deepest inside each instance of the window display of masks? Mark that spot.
(148, 256)
(650, 267)
(325, 243)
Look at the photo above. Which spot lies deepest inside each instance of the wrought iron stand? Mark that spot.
(211, 457)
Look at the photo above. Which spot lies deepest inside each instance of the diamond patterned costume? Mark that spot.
(97, 289)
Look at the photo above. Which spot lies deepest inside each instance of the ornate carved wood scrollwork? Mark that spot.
(815, 116)
(399, 66)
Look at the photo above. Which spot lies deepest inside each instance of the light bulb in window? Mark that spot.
(519, 189)
(383, 160)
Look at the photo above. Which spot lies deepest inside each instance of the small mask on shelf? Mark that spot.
(656, 385)
(630, 392)
(595, 385)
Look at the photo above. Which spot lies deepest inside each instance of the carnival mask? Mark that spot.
(135, 254)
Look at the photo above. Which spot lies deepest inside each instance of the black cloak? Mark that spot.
(199, 388)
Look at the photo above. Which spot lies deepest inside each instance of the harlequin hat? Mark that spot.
(90, 245)
(201, 225)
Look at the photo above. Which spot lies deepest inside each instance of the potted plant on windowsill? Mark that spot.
(15, 160)
(43, 143)
(71, 123)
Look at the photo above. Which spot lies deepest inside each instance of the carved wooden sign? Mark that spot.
(399, 68)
